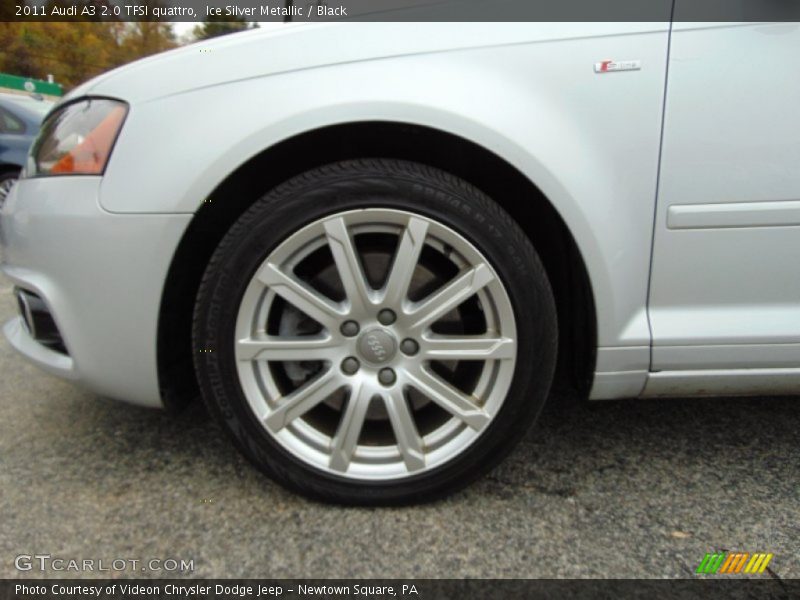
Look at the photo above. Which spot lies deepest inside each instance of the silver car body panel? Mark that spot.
(101, 276)
(528, 92)
(726, 280)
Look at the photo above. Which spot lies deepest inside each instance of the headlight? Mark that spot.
(77, 139)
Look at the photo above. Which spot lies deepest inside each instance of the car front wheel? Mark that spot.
(375, 332)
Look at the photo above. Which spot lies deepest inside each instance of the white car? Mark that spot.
(372, 247)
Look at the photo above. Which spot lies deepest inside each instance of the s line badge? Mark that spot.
(607, 66)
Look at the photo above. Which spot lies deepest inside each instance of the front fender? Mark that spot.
(589, 142)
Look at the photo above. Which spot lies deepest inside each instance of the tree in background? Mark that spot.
(146, 38)
(77, 50)
(218, 25)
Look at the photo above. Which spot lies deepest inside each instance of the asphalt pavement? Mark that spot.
(632, 489)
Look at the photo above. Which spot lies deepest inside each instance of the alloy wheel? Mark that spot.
(375, 344)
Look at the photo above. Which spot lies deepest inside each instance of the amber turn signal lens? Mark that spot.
(91, 155)
(77, 139)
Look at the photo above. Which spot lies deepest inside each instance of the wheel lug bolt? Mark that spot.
(349, 328)
(387, 376)
(386, 317)
(350, 365)
(409, 347)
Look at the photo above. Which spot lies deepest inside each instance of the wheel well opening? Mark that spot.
(483, 169)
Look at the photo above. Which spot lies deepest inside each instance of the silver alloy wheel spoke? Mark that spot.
(468, 348)
(405, 431)
(346, 438)
(405, 261)
(301, 296)
(279, 348)
(448, 297)
(448, 397)
(303, 399)
(348, 265)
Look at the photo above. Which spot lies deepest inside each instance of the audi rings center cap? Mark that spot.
(377, 346)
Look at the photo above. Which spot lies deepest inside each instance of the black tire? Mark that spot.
(359, 184)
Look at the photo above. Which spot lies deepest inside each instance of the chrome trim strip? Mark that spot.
(782, 213)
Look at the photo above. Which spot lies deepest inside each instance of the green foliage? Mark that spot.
(216, 26)
(77, 50)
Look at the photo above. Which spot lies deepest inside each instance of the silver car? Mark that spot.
(372, 248)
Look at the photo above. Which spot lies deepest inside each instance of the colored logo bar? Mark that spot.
(734, 562)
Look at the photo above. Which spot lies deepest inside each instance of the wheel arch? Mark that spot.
(492, 174)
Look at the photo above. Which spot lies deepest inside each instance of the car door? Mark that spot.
(724, 302)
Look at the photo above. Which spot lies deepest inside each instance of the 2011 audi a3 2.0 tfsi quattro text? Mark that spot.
(372, 248)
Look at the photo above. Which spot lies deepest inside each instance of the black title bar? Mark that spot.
(402, 10)
(395, 589)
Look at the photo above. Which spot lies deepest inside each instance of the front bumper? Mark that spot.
(101, 276)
